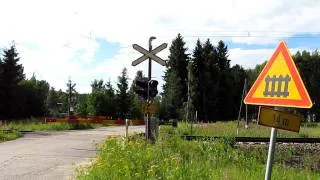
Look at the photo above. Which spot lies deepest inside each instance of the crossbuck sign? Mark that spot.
(151, 54)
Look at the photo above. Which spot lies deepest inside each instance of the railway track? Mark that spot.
(253, 139)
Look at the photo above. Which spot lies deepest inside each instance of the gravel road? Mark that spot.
(52, 155)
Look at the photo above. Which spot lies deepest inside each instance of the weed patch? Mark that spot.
(10, 131)
(174, 158)
(9, 135)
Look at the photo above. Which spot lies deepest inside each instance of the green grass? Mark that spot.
(230, 129)
(37, 125)
(174, 158)
(7, 136)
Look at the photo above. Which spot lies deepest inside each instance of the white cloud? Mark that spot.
(60, 29)
(249, 58)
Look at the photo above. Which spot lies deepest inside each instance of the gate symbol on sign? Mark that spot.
(279, 80)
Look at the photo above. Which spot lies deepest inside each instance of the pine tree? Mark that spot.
(210, 81)
(136, 106)
(123, 98)
(2, 97)
(97, 85)
(110, 100)
(196, 78)
(33, 95)
(42, 91)
(176, 76)
(222, 53)
(178, 62)
(11, 75)
(96, 102)
(238, 76)
(52, 102)
(225, 84)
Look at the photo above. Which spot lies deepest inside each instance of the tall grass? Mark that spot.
(39, 125)
(174, 158)
(230, 129)
(36, 125)
(7, 136)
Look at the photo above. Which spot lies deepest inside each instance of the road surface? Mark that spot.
(53, 155)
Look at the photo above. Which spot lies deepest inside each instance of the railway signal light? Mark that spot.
(153, 88)
(141, 87)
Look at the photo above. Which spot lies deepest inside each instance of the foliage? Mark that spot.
(229, 129)
(215, 87)
(174, 158)
(176, 76)
(308, 65)
(82, 105)
(122, 96)
(11, 130)
(39, 125)
(101, 101)
(10, 77)
(7, 136)
(135, 111)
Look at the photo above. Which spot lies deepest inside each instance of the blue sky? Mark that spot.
(311, 41)
(106, 50)
(87, 40)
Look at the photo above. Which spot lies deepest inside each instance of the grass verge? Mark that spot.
(7, 136)
(37, 125)
(229, 129)
(174, 158)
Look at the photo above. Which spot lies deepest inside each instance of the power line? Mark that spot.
(243, 31)
(255, 36)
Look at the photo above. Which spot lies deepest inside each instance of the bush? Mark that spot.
(174, 158)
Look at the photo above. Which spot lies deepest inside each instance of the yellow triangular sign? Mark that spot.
(279, 83)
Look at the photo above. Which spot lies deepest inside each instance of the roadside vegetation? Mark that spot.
(11, 130)
(229, 129)
(171, 157)
(204, 83)
(175, 158)
(39, 125)
(9, 135)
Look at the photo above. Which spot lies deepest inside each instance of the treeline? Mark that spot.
(204, 84)
(201, 84)
(22, 98)
(19, 97)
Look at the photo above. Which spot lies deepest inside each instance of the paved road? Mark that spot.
(52, 155)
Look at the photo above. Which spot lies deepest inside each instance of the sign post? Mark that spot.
(150, 55)
(279, 84)
(271, 153)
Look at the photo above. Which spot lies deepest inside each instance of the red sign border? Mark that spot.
(305, 101)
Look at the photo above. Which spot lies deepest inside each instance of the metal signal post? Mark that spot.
(148, 129)
(151, 84)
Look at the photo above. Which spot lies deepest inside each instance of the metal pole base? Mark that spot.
(270, 154)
